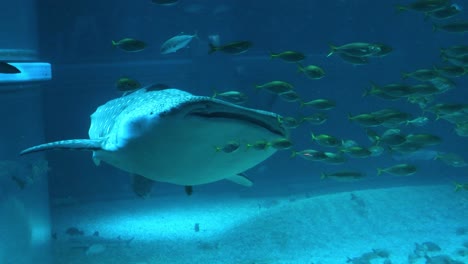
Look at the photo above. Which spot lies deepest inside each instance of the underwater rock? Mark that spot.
(441, 259)
(383, 253)
(430, 246)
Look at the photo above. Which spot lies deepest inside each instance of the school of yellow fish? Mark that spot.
(420, 87)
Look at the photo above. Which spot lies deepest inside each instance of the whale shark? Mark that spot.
(174, 136)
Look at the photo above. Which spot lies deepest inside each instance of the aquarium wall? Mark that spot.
(24, 196)
(19, 29)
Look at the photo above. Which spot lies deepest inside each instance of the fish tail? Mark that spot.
(280, 119)
(195, 35)
(215, 93)
(128, 241)
(458, 186)
(301, 119)
(435, 27)
(427, 15)
(20, 182)
(312, 135)
(366, 92)
(300, 68)
(374, 88)
(379, 171)
(8, 68)
(444, 57)
(323, 176)
(332, 50)
(400, 8)
(273, 55)
(293, 154)
(405, 75)
(213, 48)
(114, 44)
(72, 144)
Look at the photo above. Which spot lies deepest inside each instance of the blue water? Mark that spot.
(75, 37)
(86, 68)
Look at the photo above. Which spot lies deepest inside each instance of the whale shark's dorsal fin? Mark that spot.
(78, 144)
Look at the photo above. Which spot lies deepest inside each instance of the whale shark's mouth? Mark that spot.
(237, 117)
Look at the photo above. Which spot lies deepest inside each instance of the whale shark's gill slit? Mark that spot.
(241, 117)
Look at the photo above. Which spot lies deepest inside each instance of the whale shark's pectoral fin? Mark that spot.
(240, 179)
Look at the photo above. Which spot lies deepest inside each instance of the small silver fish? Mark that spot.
(418, 121)
(176, 43)
(234, 97)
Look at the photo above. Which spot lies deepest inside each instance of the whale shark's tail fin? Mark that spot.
(72, 144)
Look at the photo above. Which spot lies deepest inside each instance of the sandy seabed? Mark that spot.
(302, 229)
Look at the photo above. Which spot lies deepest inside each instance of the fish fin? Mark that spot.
(188, 190)
(273, 55)
(20, 182)
(96, 161)
(142, 186)
(400, 8)
(312, 135)
(427, 15)
(293, 154)
(128, 241)
(215, 93)
(379, 171)
(8, 68)
(300, 68)
(374, 86)
(78, 144)
(366, 92)
(240, 179)
(332, 50)
(213, 48)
